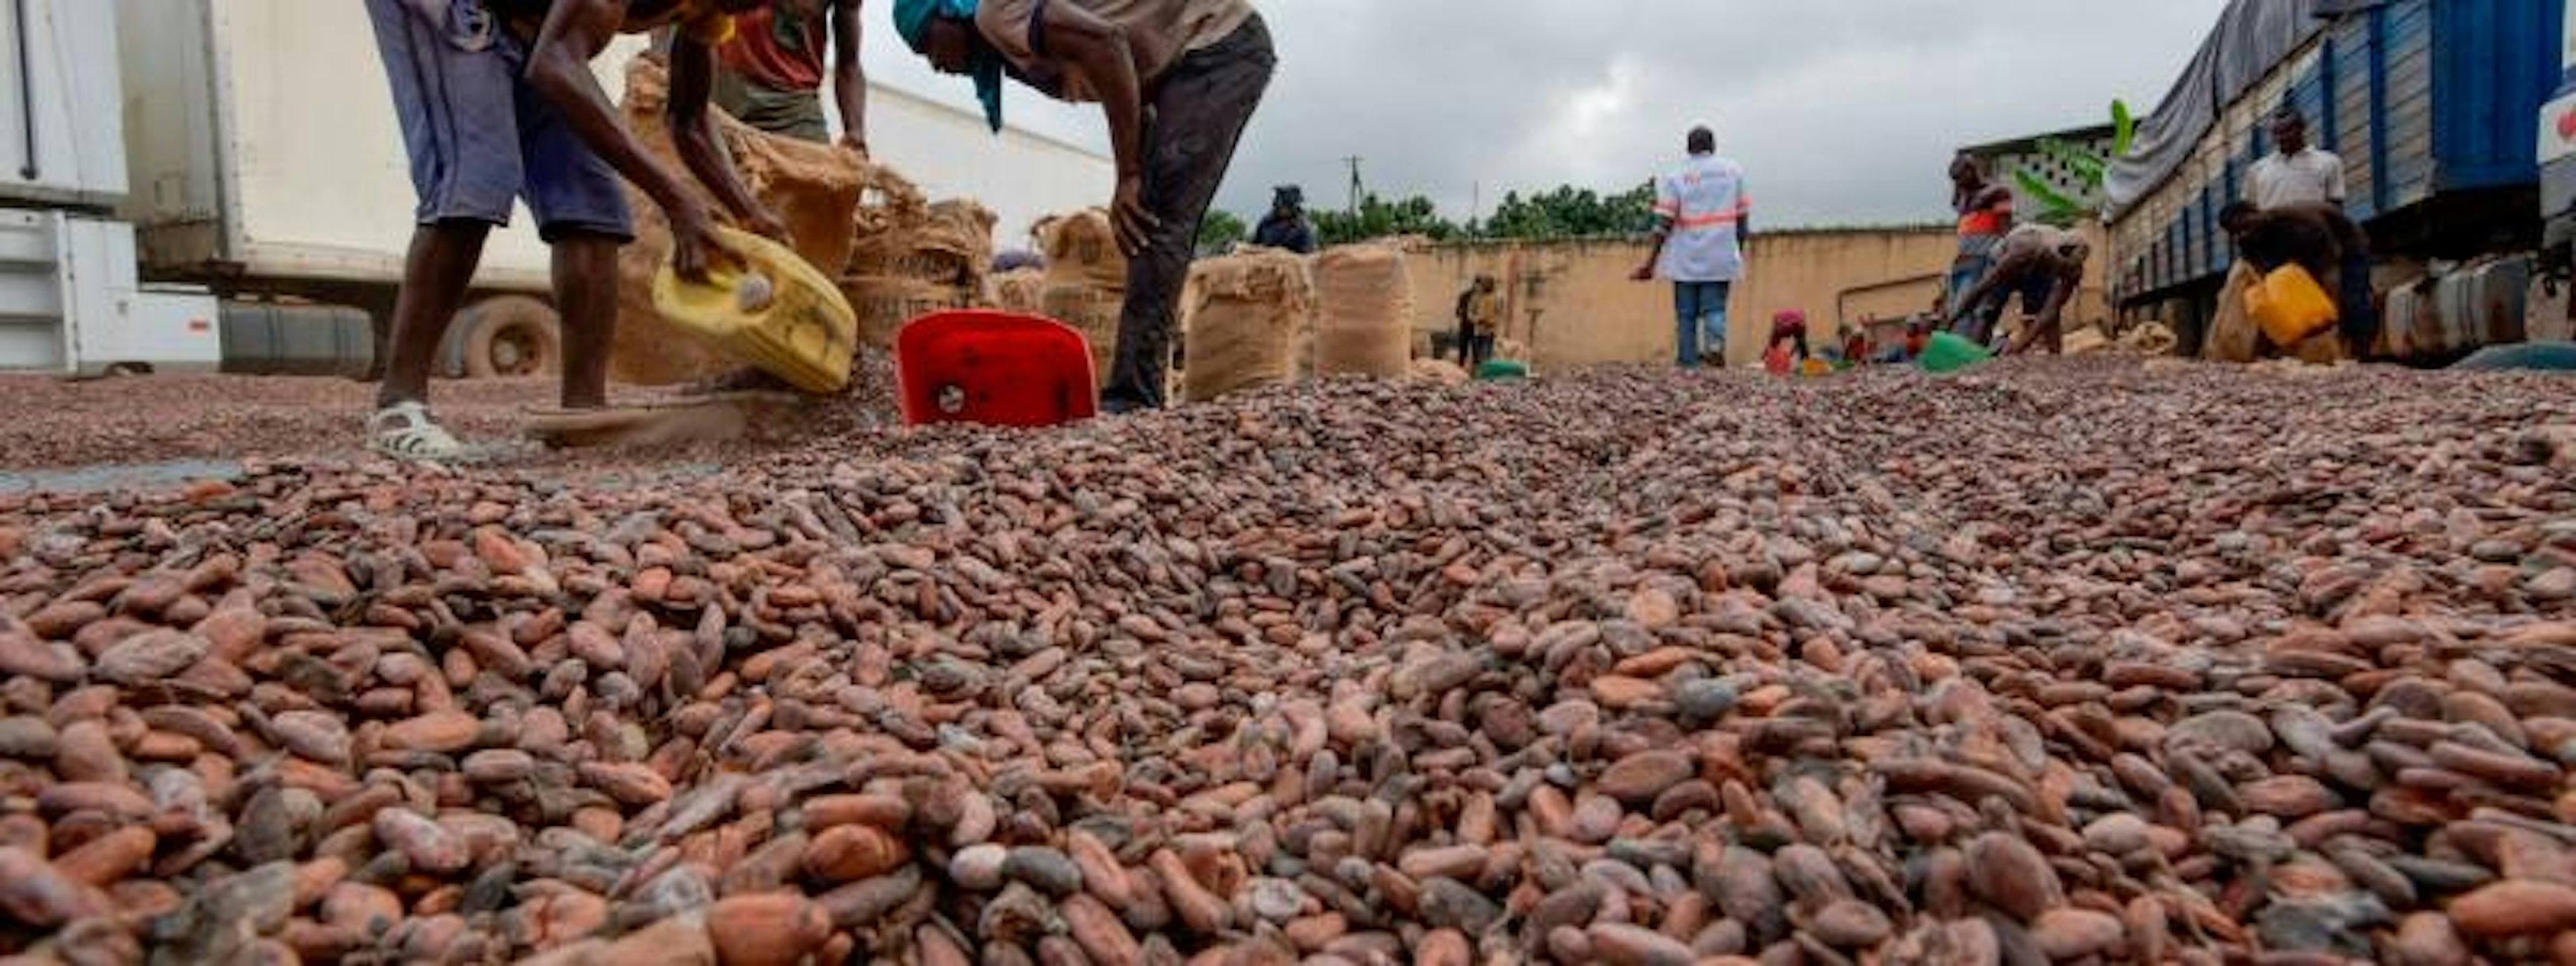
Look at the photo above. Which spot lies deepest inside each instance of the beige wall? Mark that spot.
(1573, 304)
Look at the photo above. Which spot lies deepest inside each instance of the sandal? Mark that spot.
(405, 431)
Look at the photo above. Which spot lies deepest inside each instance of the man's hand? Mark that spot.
(1135, 224)
(1644, 273)
(854, 141)
(695, 245)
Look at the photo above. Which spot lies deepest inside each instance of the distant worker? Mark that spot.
(773, 70)
(1702, 216)
(2320, 238)
(2045, 266)
(1788, 346)
(498, 104)
(1177, 80)
(2294, 173)
(1286, 226)
(1985, 212)
(1480, 319)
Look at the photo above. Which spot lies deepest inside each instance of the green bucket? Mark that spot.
(1949, 353)
(1502, 370)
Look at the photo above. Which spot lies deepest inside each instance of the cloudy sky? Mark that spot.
(1843, 111)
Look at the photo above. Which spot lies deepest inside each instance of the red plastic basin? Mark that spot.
(993, 369)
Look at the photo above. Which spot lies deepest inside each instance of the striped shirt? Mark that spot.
(1698, 207)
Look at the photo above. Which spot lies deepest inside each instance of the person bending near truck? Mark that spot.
(2045, 266)
(497, 103)
(2320, 238)
(1177, 79)
(773, 70)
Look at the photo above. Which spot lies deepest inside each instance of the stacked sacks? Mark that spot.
(811, 186)
(913, 258)
(1086, 281)
(1250, 323)
(1365, 323)
(1019, 290)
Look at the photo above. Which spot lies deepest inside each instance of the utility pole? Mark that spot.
(1354, 162)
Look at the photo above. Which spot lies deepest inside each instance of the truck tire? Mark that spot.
(512, 335)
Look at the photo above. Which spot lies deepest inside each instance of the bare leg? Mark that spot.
(435, 276)
(586, 297)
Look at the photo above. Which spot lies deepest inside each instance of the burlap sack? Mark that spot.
(811, 186)
(1364, 321)
(1091, 311)
(1082, 249)
(1019, 291)
(2086, 340)
(2233, 335)
(884, 303)
(1439, 372)
(885, 225)
(1250, 321)
(2150, 338)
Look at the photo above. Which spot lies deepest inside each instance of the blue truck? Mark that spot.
(2430, 103)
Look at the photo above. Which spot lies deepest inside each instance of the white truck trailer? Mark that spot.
(71, 301)
(266, 164)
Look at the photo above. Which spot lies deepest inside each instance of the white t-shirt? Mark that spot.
(2306, 177)
(1698, 205)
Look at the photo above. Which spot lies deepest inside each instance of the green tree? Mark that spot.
(1379, 218)
(1570, 212)
(1220, 231)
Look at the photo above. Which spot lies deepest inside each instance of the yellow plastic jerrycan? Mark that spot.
(2290, 306)
(777, 313)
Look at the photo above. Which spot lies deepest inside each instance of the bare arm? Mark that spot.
(1099, 50)
(693, 133)
(849, 79)
(559, 68)
(1654, 256)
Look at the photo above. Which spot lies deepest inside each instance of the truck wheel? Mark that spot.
(512, 335)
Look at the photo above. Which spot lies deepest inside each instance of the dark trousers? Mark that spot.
(1474, 348)
(1197, 114)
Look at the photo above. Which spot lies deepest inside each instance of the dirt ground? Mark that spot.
(56, 424)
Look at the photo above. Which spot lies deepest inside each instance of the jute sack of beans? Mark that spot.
(1250, 323)
(1092, 311)
(1082, 249)
(885, 303)
(811, 186)
(1364, 322)
(1019, 291)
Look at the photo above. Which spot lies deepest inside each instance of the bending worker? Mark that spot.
(498, 104)
(2045, 266)
(1177, 80)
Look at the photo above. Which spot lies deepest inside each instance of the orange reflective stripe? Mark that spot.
(1713, 218)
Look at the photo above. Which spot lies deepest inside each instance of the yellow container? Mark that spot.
(777, 313)
(2290, 306)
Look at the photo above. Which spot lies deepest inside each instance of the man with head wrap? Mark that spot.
(1177, 80)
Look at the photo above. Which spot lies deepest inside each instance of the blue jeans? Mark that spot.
(1964, 275)
(1699, 318)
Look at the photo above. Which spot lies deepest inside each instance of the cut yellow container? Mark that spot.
(2290, 306)
(777, 313)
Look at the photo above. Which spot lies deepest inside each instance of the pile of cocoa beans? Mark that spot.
(2086, 661)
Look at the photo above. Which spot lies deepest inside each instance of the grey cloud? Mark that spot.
(1843, 111)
